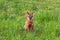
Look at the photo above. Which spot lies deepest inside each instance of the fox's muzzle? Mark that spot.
(30, 17)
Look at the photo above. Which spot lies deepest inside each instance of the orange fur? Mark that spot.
(29, 25)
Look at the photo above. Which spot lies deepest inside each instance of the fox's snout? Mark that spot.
(30, 17)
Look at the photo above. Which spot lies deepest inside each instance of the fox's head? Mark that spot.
(29, 16)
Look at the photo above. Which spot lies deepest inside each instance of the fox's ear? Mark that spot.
(27, 12)
(32, 13)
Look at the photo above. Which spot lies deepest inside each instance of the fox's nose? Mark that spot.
(30, 17)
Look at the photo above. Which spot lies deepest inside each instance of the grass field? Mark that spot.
(46, 19)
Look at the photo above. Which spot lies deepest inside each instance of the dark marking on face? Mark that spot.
(30, 17)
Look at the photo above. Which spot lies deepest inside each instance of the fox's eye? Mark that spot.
(31, 16)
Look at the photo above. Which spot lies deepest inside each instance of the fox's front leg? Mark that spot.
(26, 27)
(32, 27)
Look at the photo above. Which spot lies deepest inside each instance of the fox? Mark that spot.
(29, 25)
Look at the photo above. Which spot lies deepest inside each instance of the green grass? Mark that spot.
(46, 19)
